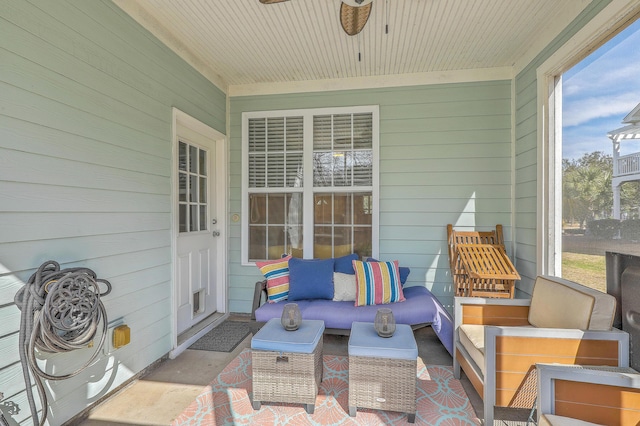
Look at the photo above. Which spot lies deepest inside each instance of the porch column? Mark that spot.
(616, 155)
(616, 200)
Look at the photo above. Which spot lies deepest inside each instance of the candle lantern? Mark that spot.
(385, 324)
(291, 317)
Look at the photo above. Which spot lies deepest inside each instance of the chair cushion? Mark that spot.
(472, 339)
(588, 309)
(553, 420)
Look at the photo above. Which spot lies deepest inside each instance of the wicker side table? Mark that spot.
(287, 365)
(382, 371)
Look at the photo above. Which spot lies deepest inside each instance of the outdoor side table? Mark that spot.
(287, 365)
(382, 370)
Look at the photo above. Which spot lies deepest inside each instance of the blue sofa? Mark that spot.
(421, 308)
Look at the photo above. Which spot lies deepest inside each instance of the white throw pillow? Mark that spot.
(344, 287)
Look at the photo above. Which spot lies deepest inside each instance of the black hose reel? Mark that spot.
(61, 311)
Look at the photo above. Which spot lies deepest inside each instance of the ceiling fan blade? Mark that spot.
(353, 19)
(272, 1)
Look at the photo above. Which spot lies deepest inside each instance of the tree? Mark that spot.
(586, 187)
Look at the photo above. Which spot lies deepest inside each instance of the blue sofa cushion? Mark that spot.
(344, 265)
(310, 279)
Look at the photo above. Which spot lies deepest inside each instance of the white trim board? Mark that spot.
(373, 82)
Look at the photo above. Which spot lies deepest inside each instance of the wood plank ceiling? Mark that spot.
(240, 42)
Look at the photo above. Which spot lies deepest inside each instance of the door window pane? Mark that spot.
(182, 218)
(192, 188)
(182, 156)
(193, 159)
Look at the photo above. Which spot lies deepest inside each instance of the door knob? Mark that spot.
(216, 233)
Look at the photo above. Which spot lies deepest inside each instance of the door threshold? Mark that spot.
(190, 336)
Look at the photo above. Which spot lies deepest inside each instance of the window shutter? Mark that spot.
(275, 152)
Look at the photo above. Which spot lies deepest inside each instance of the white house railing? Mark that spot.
(628, 164)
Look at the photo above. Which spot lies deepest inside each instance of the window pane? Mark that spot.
(203, 189)
(342, 131)
(193, 189)
(362, 131)
(193, 159)
(362, 241)
(182, 217)
(322, 168)
(257, 134)
(322, 236)
(295, 134)
(323, 209)
(342, 241)
(342, 209)
(322, 132)
(362, 209)
(275, 176)
(294, 170)
(257, 171)
(342, 168)
(257, 242)
(182, 156)
(275, 134)
(276, 203)
(203, 218)
(182, 187)
(275, 238)
(193, 218)
(257, 208)
(203, 162)
(294, 224)
(362, 168)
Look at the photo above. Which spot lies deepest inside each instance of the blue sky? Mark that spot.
(598, 93)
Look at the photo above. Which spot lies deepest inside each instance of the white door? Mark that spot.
(196, 243)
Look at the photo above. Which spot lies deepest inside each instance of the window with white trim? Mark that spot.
(309, 183)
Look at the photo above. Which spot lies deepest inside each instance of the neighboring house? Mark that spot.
(626, 168)
(90, 173)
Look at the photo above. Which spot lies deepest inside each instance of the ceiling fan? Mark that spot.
(354, 14)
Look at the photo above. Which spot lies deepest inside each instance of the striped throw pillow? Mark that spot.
(277, 274)
(377, 283)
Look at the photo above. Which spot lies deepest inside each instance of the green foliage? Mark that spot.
(630, 229)
(604, 229)
(586, 188)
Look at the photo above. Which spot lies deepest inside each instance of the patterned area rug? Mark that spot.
(441, 400)
(223, 338)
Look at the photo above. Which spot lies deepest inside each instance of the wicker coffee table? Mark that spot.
(382, 371)
(287, 365)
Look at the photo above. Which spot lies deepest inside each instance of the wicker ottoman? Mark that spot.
(287, 365)
(382, 371)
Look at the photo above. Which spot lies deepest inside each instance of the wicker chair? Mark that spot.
(479, 264)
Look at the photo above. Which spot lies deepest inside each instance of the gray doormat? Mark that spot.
(223, 338)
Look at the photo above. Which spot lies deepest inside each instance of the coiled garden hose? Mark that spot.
(61, 311)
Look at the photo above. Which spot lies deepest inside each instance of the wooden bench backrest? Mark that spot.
(471, 237)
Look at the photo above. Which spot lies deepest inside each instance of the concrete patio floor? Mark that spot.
(162, 394)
